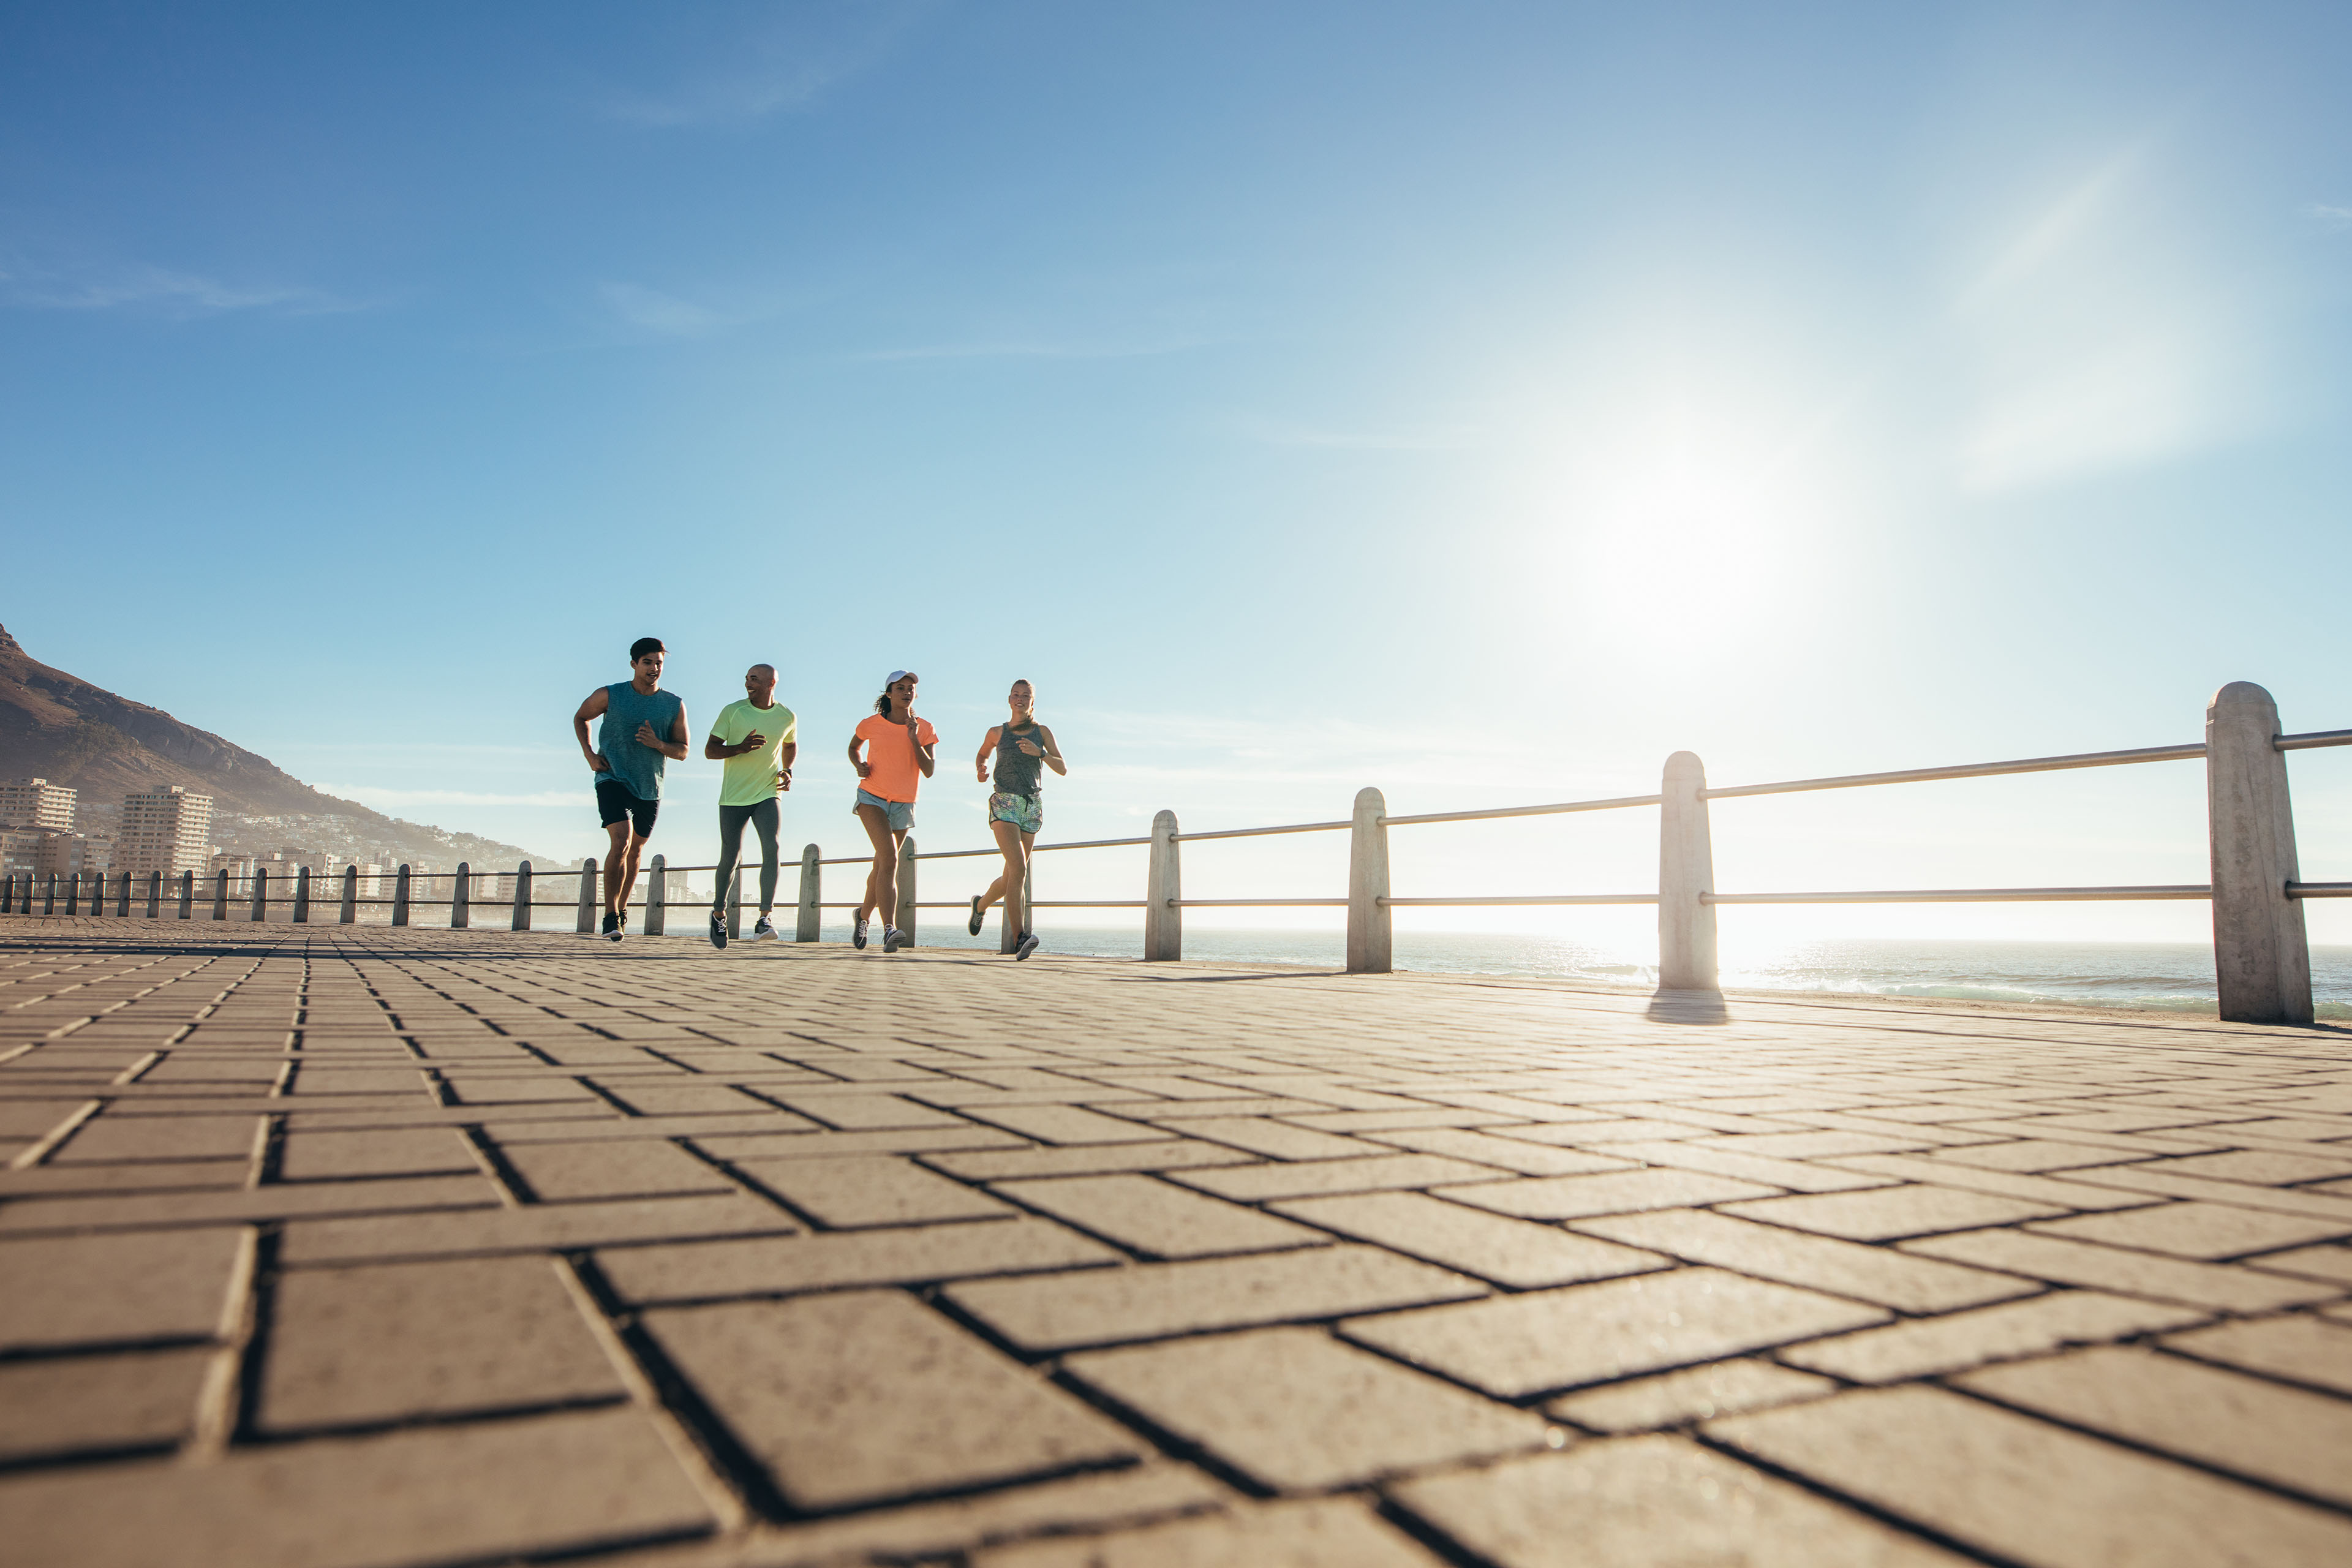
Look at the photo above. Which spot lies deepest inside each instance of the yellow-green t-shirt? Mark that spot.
(751, 777)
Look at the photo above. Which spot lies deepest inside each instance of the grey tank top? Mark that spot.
(1018, 772)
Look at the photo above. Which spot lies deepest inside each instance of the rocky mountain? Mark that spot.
(59, 727)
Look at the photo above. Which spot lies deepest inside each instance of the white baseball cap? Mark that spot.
(897, 675)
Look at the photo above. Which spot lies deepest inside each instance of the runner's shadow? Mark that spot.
(1688, 1008)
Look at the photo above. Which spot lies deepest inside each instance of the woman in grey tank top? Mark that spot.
(1024, 748)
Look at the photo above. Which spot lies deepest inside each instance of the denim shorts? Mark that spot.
(900, 814)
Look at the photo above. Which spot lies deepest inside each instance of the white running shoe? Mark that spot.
(893, 938)
(857, 935)
(1028, 945)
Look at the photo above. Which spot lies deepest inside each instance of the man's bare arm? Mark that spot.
(598, 701)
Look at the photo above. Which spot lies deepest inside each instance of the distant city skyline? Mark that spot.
(1476, 404)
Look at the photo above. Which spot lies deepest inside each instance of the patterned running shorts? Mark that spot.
(1023, 811)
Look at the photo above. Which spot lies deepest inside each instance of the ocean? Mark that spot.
(2172, 977)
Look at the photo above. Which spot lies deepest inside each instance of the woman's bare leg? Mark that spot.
(882, 881)
(1014, 844)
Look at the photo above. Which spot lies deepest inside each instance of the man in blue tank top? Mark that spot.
(644, 725)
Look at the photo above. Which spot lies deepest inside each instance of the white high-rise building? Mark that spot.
(163, 830)
(37, 803)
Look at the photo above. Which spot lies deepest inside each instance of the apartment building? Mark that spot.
(38, 804)
(163, 830)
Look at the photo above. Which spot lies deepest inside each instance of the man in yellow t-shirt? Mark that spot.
(758, 738)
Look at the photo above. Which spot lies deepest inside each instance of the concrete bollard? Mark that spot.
(400, 895)
(187, 895)
(302, 895)
(907, 890)
(461, 892)
(73, 894)
(220, 895)
(658, 898)
(49, 897)
(154, 895)
(260, 894)
(522, 897)
(811, 925)
(122, 896)
(2262, 962)
(1687, 959)
(1368, 886)
(588, 898)
(9, 894)
(349, 913)
(1163, 907)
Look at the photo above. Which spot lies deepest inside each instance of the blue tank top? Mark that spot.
(626, 759)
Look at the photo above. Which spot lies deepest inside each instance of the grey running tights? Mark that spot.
(732, 818)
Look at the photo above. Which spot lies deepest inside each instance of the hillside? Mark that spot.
(58, 726)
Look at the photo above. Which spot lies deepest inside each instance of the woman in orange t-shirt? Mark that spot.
(900, 758)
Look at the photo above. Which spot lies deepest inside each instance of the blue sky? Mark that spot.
(1477, 401)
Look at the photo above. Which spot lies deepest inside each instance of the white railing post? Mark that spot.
(811, 925)
(588, 896)
(2262, 963)
(1163, 907)
(154, 895)
(260, 894)
(122, 895)
(658, 898)
(49, 895)
(350, 912)
(400, 896)
(1368, 886)
(1685, 878)
(907, 890)
(302, 895)
(220, 894)
(187, 895)
(461, 897)
(522, 896)
(73, 895)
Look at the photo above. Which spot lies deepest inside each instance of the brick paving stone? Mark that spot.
(2306, 1350)
(115, 1290)
(1513, 1252)
(1616, 1192)
(1093, 1159)
(483, 1492)
(108, 1138)
(395, 1342)
(787, 1141)
(2286, 1437)
(2067, 1262)
(664, 1097)
(864, 1397)
(1796, 1175)
(1307, 1178)
(1652, 1502)
(869, 1190)
(1516, 1346)
(1695, 1394)
(710, 1270)
(2030, 1492)
(147, 1176)
(312, 1156)
(2151, 1180)
(865, 1113)
(2260, 1167)
(567, 1173)
(2029, 1157)
(1875, 1274)
(1891, 1214)
(1505, 1154)
(1579, 1132)
(1316, 1533)
(1274, 1140)
(1150, 1301)
(60, 1406)
(155, 1210)
(539, 1227)
(1152, 1217)
(2200, 1230)
(1065, 1124)
(1297, 1411)
(2056, 1192)
(1925, 1346)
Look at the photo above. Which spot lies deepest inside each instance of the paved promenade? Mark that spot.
(352, 1246)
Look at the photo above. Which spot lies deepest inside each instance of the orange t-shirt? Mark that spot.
(892, 756)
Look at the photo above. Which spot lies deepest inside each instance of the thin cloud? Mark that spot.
(785, 71)
(161, 289)
(1029, 350)
(2334, 220)
(1276, 433)
(651, 310)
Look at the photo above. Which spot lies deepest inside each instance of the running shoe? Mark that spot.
(765, 931)
(893, 938)
(612, 926)
(1028, 945)
(979, 916)
(857, 935)
(718, 931)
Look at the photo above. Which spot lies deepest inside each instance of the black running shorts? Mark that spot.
(615, 801)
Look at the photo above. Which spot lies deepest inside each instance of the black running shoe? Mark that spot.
(1028, 945)
(857, 935)
(719, 932)
(893, 938)
(979, 916)
(612, 926)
